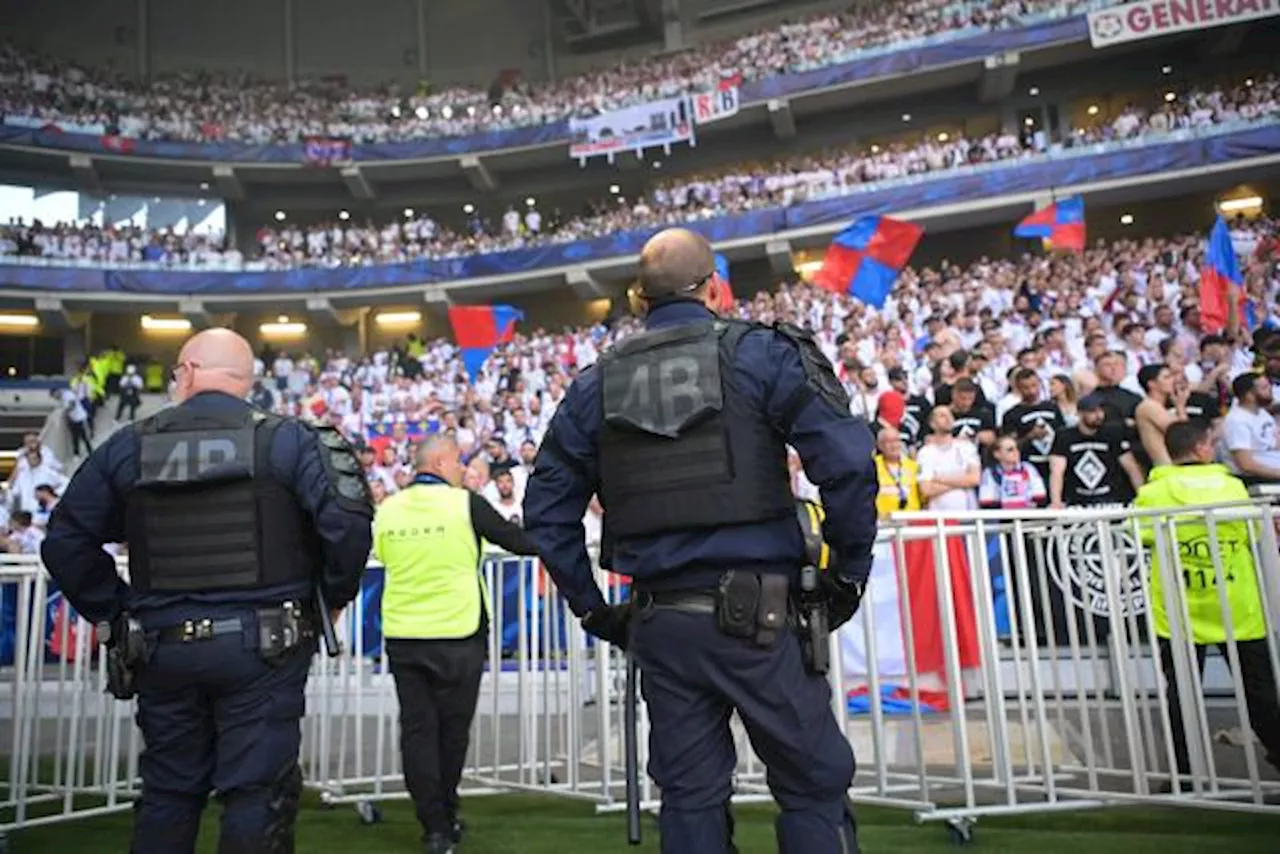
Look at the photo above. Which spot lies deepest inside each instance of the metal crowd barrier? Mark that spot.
(72, 749)
(1044, 692)
(1067, 710)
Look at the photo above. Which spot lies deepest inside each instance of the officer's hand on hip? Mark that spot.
(609, 623)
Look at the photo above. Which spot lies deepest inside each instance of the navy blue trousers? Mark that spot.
(694, 677)
(216, 717)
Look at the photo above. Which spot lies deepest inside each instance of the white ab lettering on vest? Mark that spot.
(210, 453)
(678, 394)
(637, 399)
(678, 379)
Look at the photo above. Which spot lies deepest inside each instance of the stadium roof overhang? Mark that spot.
(610, 277)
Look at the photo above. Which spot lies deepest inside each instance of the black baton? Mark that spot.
(327, 631)
(631, 751)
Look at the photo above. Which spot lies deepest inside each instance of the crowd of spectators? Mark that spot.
(31, 493)
(124, 244)
(1001, 348)
(682, 199)
(207, 107)
(1023, 367)
(1011, 383)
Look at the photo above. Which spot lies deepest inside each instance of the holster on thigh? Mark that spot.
(282, 810)
(282, 816)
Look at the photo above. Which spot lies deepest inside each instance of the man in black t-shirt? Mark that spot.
(916, 413)
(964, 366)
(1118, 403)
(1201, 407)
(1092, 463)
(1033, 421)
(972, 421)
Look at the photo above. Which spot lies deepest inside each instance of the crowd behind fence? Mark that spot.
(953, 713)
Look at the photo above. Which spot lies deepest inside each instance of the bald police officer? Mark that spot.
(231, 517)
(683, 433)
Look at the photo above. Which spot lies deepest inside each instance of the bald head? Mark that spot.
(674, 262)
(214, 360)
(441, 457)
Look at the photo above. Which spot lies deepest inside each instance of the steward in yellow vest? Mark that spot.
(434, 619)
(1194, 480)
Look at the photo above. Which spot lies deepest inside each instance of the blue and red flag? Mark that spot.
(481, 328)
(726, 293)
(865, 259)
(1219, 279)
(1061, 223)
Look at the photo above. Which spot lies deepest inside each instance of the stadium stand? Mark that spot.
(201, 107)
(1247, 101)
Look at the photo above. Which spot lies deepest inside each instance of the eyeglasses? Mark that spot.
(690, 288)
(191, 366)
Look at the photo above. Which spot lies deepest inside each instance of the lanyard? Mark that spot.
(896, 474)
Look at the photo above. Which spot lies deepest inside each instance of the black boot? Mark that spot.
(438, 843)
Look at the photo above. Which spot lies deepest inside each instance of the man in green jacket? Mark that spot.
(1194, 479)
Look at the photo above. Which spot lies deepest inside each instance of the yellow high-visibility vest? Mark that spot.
(1180, 486)
(153, 376)
(434, 590)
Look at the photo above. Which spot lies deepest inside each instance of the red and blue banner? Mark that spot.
(479, 329)
(1219, 279)
(1061, 223)
(726, 293)
(865, 259)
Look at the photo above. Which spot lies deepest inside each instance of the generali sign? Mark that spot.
(1147, 19)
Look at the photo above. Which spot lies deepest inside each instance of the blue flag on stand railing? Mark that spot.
(479, 329)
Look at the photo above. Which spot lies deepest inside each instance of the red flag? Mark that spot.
(1213, 301)
(730, 81)
(926, 622)
(66, 623)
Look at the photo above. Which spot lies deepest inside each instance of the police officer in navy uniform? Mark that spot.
(232, 517)
(683, 432)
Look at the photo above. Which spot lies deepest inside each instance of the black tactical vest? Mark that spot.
(680, 448)
(205, 514)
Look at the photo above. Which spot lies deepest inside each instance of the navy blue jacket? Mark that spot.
(92, 512)
(836, 449)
